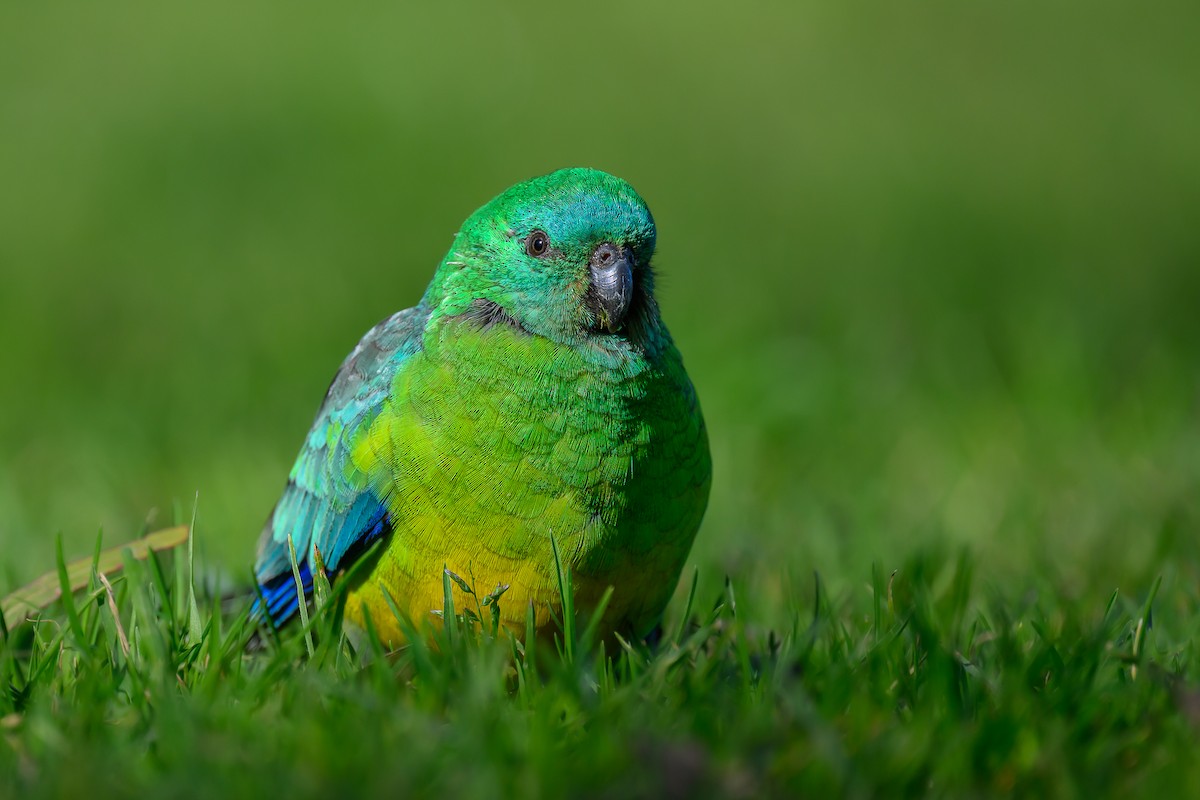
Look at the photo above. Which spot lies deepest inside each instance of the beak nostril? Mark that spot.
(605, 255)
(612, 285)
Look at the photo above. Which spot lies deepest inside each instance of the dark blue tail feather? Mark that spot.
(279, 595)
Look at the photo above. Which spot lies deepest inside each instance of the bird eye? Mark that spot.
(537, 244)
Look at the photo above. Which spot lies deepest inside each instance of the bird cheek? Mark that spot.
(577, 300)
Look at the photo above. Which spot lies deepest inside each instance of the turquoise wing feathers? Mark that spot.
(327, 504)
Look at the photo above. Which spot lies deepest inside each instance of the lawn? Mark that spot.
(934, 272)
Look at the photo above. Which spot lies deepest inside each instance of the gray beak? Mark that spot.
(612, 284)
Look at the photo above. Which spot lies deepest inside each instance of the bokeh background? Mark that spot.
(934, 268)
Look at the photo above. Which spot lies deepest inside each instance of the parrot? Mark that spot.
(532, 399)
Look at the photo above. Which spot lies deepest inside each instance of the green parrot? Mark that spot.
(533, 392)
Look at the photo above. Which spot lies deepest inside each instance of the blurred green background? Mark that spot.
(934, 268)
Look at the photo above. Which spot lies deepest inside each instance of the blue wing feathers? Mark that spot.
(279, 596)
(362, 523)
(327, 504)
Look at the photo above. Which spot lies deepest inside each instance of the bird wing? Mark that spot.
(328, 504)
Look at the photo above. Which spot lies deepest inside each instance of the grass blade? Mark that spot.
(19, 606)
(566, 597)
(302, 599)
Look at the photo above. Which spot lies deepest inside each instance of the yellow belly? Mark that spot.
(412, 576)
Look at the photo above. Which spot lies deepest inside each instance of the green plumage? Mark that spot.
(534, 392)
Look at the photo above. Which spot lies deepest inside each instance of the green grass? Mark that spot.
(924, 681)
(933, 270)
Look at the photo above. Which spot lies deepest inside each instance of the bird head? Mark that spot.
(565, 256)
